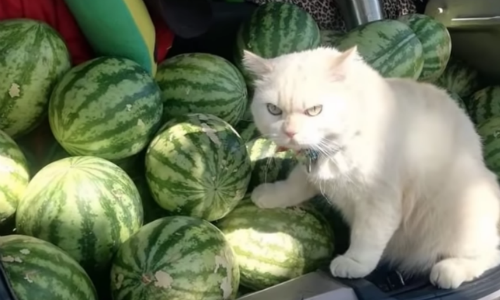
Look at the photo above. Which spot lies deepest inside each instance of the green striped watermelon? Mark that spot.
(33, 58)
(36, 269)
(460, 78)
(86, 205)
(274, 29)
(389, 46)
(175, 258)
(202, 83)
(489, 131)
(436, 43)
(275, 245)
(14, 177)
(267, 164)
(485, 104)
(198, 166)
(247, 130)
(107, 107)
(329, 38)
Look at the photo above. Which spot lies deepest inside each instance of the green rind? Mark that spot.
(275, 245)
(436, 43)
(36, 269)
(489, 131)
(33, 59)
(198, 166)
(388, 46)
(107, 107)
(14, 177)
(460, 78)
(175, 258)
(274, 29)
(330, 38)
(268, 165)
(202, 83)
(485, 104)
(85, 205)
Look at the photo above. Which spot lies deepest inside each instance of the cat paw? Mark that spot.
(449, 274)
(265, 196)
(345, 267)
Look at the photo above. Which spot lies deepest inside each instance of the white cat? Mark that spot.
(399, 158)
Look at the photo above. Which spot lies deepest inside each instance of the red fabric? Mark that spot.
(57, 14)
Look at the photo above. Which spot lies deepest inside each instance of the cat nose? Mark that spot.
(290, 133)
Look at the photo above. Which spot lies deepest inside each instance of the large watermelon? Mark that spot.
(268, 165)
(14, 177)
(489, 131)
(32, 59)
(107, 107)
(202, 83)
(389, 46)
(86, 205)
(275, 245)
(274, 29)
(460, 78)
(198, 166)
(175, 258)
(436, 43)
(36, 269)
(485, 104)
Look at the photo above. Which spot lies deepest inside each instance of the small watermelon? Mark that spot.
(436, 43)
(489, 131)
(275, 245)
(33, 58)
(107, 107)
(14, 177)
(85, 205)
(268, 165)
(36, 269)
(202, 83)
(175, 258)
(485, 104)
(197, 166)
(460, 78)
(274, 29)
(388, 46)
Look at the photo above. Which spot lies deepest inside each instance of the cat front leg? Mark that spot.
(372, 226)
(292, 191)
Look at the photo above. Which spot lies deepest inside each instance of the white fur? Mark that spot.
(399, 158)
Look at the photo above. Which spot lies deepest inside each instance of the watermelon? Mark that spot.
(107, 107)
(85, 205)
(175, 258)
(485, 104)
(276, 245)
(274, 29)
(389, 46)
(14, 177)
(247, 130)
(267, 164)
(36, 269)
(197, 166)
(329, 38)
(460, 78)
(202, 83)
(32, 60)
(489, 131)
(436, 43)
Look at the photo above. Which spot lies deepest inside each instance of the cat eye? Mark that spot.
(314, 111)
(274, 110)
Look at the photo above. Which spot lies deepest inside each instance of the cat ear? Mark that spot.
(343, 61)
(256, 64)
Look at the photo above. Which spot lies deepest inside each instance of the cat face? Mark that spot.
(301, 100)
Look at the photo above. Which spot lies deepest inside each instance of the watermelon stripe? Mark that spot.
(113, 117)
(460, 78)
(36, 277)
(485, 104)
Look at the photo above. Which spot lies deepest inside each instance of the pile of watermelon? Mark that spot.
(115, 184)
